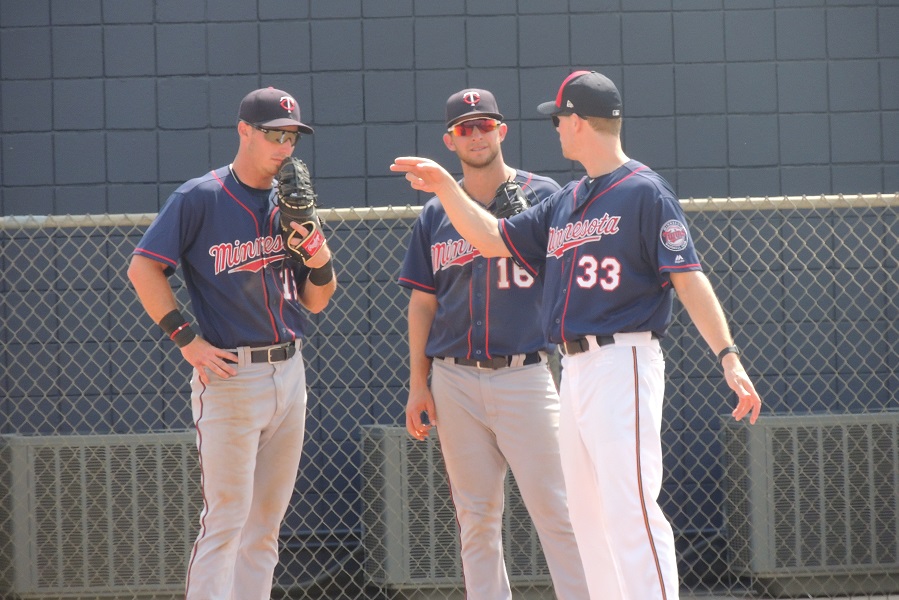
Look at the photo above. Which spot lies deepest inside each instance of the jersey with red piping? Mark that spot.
(606, 248)
(227, 238)
(485, 307)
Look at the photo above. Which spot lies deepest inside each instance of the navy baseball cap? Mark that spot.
(268, 107)
(471, 103)
(587, 94)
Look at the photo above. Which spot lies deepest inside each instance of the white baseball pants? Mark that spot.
(610, 436)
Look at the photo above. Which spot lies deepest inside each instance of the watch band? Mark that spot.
(727, 351)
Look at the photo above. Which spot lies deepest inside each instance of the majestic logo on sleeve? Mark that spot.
(452, 253)
(580, 232)
(674, 235)
(247, 256)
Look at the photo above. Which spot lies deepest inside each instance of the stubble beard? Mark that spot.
(481, 163)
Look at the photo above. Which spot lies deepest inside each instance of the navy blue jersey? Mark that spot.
(485, 307)
(227, 238)
(607, 248)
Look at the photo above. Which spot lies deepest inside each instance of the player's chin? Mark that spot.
(273, 165)
(478, 159)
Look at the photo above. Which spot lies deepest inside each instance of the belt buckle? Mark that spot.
(269, 357)
(281, 348)
(576, 346)
(486, 365)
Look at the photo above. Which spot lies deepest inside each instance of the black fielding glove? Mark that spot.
(297, 203)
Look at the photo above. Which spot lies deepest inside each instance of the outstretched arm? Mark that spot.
(474, 223)
(695, 292)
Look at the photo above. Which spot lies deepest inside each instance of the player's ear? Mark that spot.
(503, 130)
(449, 142)
(578, 121)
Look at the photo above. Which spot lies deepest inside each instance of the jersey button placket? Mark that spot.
(479, 307)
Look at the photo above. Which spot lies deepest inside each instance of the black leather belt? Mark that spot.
(497, 362)
(583, 344)
(274, 354)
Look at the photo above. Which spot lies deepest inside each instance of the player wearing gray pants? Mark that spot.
(474, 327)
(489, 418)
(251, 296)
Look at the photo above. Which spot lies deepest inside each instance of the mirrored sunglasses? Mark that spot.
(467, 127)
(277, 136)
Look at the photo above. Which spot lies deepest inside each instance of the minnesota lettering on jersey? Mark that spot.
(580, 232)
(452, 253)
(247, 256)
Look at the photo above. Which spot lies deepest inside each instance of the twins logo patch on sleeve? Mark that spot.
(674, 236)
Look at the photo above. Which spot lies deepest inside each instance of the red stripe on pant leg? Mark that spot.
(652, 545)
(202, 533)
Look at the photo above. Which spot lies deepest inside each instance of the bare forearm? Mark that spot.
(316, 297)
(422, 308)
(152, 287)
(474, 223)
(696, 294)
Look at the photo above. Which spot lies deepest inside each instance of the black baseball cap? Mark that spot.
(587, 94)
(471, 103)
(268, 107)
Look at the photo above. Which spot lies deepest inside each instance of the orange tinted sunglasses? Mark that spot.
(466, 128)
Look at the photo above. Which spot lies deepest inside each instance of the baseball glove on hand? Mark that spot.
(509, 200)
(297, 202)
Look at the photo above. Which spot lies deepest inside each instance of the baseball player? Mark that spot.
(474, 327)
(614, 247)
(249, 288)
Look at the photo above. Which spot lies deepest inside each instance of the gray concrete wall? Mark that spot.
(107, 105)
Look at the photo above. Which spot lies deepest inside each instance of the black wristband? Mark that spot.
(728, 350)
(183, 335)
(322, 274)
(172, 321)
(177, 328)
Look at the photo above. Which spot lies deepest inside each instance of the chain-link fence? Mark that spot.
(99, 494)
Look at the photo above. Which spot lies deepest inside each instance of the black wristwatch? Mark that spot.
(727, 351)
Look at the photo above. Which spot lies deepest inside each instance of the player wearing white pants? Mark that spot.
(489, 417)
(612, 435)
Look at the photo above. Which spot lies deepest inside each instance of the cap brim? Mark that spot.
(287, 123)
(549, 108)
(475, 114)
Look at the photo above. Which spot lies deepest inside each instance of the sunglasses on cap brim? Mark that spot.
(466, 128)
(277, 136)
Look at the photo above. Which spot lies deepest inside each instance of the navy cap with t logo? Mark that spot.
(268, 107)
(471, 103)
